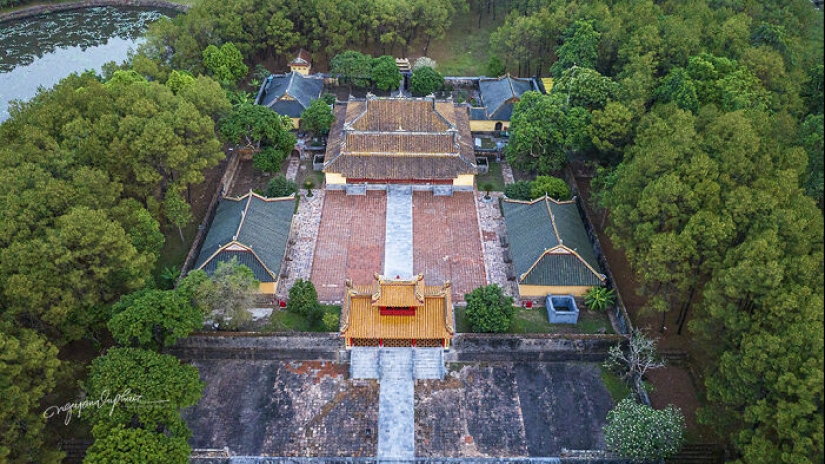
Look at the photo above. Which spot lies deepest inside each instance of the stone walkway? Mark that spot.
(398, 241)
(491, 223)
(301, 244)
(507, 173)
(292, 169)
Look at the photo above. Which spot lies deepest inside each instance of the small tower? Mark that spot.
(301, 64)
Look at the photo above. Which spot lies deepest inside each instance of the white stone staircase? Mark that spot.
(428, 363)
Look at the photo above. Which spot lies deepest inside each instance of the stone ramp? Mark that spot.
(398, 241)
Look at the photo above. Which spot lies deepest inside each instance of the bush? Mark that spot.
(599, 298)
(303, 299)
(489, 310)
(332, 321)
(495, 67)
(553, 186)
(280, 187)
(639, 432)
(518, 191)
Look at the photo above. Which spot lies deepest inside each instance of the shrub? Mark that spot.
(280, 187)
(599, 298)
(332, 321)
(495, 67)
(553, 186)
(518, 191)
(303, 299)
(639, 432)
(489, 310)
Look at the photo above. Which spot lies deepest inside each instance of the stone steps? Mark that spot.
(428, 363)
(363, 363)
(395, 363)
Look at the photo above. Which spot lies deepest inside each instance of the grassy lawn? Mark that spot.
(465, 49)
(493, 176)
(534, 320)
(617, 387)
(285, 321)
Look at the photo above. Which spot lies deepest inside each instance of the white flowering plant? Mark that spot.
(637, 431)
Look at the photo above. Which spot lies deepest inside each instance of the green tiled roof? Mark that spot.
(254, 222)
(531, 230)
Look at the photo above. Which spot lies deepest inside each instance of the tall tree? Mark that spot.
(580, 48)
(318, 118)
(143, 389)
(385, 73)
(353, 68)
(154, 319)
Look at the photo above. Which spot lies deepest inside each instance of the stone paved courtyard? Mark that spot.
(311, 408)
(350, 242)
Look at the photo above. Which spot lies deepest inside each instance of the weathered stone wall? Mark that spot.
(36, 10)
(531, 348)
(618, 311)
(257, 346)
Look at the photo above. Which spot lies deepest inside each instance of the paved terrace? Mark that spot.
(350, 242)
(311, 408)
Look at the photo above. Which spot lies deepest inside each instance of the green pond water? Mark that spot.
(40, 51)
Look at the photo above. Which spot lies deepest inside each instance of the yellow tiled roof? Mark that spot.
(433, 320)
(399, 293)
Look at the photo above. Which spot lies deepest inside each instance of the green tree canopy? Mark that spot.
(385, 73)
(225, 63)
(425, 80)
(580, 48)
(318, 117)
(227, 295)
(136, 386)
(257, 125)
(28, 367)
(125, 445)
(489, 310)
(352, 68)
(154, 319)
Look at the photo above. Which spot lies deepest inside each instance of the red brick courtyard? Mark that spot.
(446, 243)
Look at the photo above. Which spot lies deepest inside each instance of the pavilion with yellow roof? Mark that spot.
(396, 312)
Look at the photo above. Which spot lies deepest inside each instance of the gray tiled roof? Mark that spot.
(499, 95)
(531, 232)
(400, 139)
(303, 90)
(254, 222)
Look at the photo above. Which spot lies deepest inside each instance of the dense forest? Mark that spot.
(705, 119)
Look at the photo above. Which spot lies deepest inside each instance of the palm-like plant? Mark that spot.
(599, 298)
(309, 185)
(487, 187)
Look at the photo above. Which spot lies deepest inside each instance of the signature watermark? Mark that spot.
(105, 400)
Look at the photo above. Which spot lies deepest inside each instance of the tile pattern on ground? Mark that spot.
(506, 409)
(350, 242)
(284, 409)
(446, 242)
